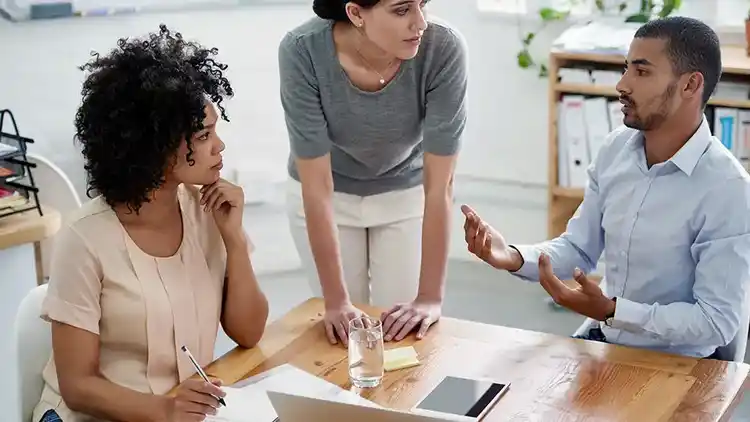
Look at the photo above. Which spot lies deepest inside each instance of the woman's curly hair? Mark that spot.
(139, 103)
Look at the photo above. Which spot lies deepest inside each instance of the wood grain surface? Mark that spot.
(552, 378)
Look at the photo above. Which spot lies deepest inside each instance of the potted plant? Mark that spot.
(646, 12)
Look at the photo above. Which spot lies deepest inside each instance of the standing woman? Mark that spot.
(375, 100)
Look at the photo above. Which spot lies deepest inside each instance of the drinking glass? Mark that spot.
(366, 352)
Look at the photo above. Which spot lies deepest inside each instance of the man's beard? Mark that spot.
(655, 119)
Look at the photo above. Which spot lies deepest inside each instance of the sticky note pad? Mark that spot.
(403, 357)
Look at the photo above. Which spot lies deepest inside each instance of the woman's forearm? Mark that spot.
(435, 245)
(103, 399)
(245, 309)
(323, 238)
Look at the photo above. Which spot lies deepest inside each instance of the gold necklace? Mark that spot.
(382, 79)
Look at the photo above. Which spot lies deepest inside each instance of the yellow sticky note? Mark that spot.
(403, 357)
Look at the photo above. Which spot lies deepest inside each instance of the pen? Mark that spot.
(201, 373)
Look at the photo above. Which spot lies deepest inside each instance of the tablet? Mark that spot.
(466, 399)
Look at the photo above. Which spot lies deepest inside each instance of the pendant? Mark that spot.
(382, 81)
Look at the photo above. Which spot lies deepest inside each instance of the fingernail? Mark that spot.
(577, 272)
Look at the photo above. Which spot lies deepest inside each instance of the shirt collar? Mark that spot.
(686, 158)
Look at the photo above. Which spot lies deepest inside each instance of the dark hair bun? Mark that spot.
(331, 9)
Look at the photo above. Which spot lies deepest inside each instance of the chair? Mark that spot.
(57, 191)
(33, 350)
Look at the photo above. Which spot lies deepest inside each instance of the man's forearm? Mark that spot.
(435, 245)
(98, 397)
(564, 255)
(324, 244)
(245, 306)
(678, 322)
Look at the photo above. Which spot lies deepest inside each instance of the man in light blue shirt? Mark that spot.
(667, 204)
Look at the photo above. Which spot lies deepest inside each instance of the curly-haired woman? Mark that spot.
(154, 262)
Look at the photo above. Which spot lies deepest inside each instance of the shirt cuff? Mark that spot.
(630, 316)
(530, 268)
(57, 309)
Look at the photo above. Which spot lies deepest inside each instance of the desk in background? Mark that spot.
(552, 378)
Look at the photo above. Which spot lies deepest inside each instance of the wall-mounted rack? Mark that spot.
(18, 191)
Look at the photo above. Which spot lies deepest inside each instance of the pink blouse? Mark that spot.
(143, 308)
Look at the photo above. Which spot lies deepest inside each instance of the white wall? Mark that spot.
(506, 139)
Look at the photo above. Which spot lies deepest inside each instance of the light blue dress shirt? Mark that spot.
(675, 238)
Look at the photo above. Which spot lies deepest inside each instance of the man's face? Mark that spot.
(648, 89)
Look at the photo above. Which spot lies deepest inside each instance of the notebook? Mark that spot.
(247, 401)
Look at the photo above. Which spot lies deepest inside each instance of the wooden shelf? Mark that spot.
(734, 59)
(563, 202)
(608, 91)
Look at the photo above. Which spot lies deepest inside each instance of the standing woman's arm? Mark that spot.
(445, 119)
(310, 146)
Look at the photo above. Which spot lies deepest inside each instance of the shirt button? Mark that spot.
(622, 254)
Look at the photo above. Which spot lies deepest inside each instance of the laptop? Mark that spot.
(292, 408)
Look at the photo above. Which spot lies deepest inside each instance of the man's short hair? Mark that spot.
(692, 46)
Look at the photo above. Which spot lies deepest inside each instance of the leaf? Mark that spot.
(528, 39)
(669, 7)
(524, 59)
(638, 17)
(543, 71)
(550, 14)
(599, 5)
(621, 8)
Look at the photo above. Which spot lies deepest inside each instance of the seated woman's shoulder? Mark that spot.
(91, 217)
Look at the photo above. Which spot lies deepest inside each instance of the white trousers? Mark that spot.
(380, 239)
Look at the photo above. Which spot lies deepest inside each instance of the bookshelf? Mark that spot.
(563, 201)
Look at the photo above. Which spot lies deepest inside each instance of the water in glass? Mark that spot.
(365, 352)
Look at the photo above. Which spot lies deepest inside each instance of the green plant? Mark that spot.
(548, 15)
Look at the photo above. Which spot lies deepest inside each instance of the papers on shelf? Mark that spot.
(6, 149)
(597, 37)
(247, 401)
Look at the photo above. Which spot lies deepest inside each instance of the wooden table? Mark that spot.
(553, 378)
(29, 229)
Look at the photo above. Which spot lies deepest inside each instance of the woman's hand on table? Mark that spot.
(337, 319)
(400, 320)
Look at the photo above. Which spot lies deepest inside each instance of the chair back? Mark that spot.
(55, 190)
(33, 350)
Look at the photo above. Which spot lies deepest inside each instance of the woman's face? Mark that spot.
(395, 26)
(206, 154)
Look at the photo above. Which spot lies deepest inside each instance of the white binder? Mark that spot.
(573, 137)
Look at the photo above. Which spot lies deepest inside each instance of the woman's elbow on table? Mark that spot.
(248, 332)
(254, 333)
